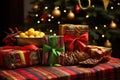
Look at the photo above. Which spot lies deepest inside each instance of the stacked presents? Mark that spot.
(70, 47)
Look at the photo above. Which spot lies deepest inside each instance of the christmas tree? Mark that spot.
(102, 16)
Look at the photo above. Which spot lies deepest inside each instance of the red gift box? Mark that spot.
(1, 56)
(75, 36)
(20, 56)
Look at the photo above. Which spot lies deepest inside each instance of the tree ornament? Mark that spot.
(107, 43)
(113, 25)
(35, 7)
(70, 15)
(56, 12)
(44, 17)
(105, 3)
(77, 8)
(84, 8)
(41, 0)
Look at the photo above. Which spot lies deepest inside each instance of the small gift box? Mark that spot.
(2, 51)
(20, 56)
(72, 29)
(99, 52)
(53, 49)
(75, 36)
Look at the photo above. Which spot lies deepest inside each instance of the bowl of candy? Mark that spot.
(31, 36)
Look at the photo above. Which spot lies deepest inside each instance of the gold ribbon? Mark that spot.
(105, 3)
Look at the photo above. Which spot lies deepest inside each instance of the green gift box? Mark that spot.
(53, 50)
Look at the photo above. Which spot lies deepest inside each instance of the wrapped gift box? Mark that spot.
(91, 56)
(19, 56)
(53, 49)
(99, 52)
(1, 56)
(74, 28)
(75, 36)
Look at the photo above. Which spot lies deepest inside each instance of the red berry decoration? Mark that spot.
(77, 8)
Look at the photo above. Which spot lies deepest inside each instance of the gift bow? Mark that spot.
(52, 48)
(80, 41)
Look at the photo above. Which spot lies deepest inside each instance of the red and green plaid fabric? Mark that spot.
(105, 71)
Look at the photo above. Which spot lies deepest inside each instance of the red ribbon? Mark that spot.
(80, 41)
(26, 47)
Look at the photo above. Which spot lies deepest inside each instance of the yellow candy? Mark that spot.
(38, 36)
(26, 32)
(22, 35)
(41, 34)
(36, 33)
(31, 31)
(31, 36)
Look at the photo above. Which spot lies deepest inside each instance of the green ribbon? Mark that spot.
(52, 48)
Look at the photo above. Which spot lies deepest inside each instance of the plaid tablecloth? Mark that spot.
(105, 71)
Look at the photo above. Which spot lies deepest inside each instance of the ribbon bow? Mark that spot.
(70, 38)
(52, 48)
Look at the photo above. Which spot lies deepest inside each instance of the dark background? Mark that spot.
(12, 15)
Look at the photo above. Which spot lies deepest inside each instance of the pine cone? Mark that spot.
(81, 56)
(89, 62)
(73, 58)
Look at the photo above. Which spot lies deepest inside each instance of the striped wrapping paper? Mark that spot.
(53, 49)
(105, 71)
(63, 28)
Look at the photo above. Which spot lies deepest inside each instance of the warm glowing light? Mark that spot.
(118, 4)
(103, 35)
(93, 6)
(112, 7)
(58, 22)
(52, 17)
(46, 7)
(36, 15)
(105, 26)
(49, 15)
(96, 27)
(49, 20)
(87, 16)
(36, 6)
(42, 19)
(57, 7)
(50, 30)
(54, 34)
(38, 21)
(65, 11)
